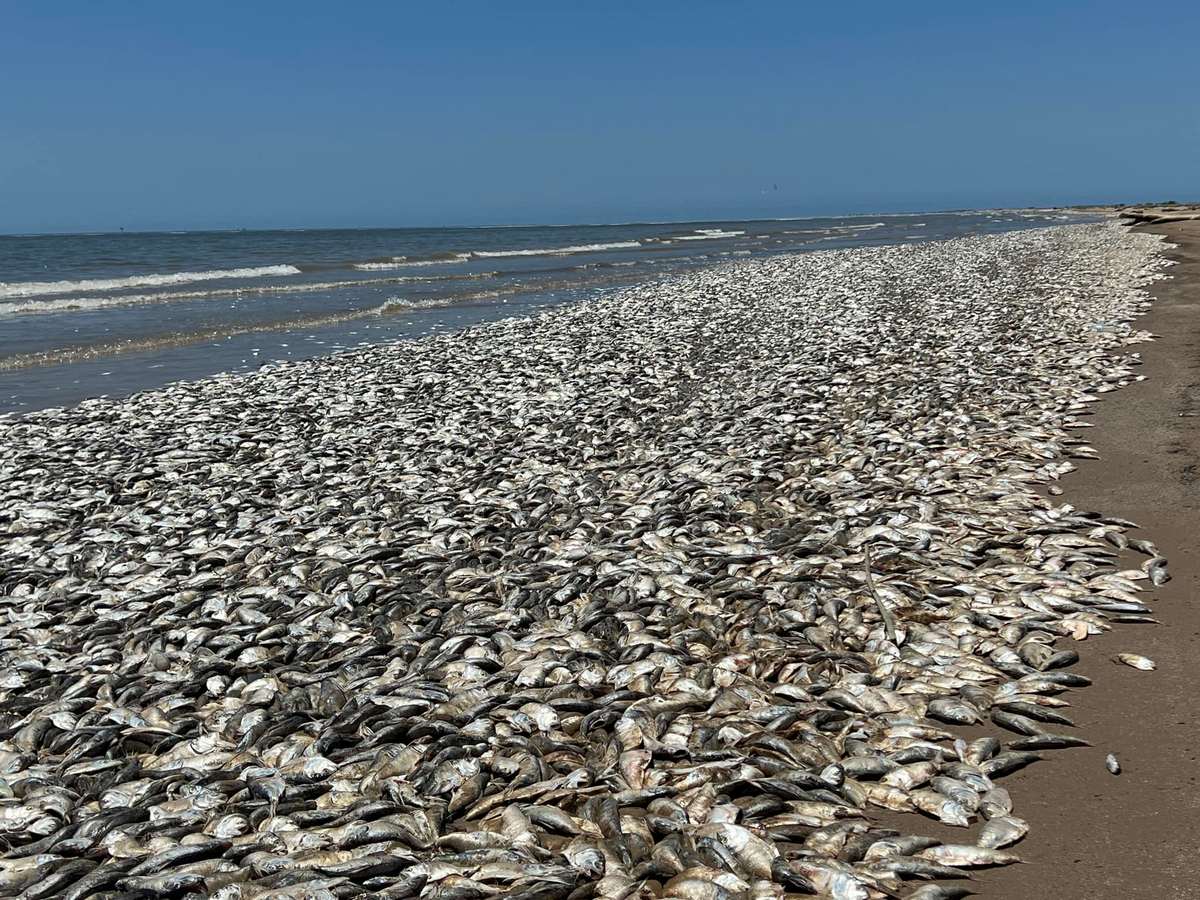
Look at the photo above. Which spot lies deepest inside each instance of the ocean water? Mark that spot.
(89, 315)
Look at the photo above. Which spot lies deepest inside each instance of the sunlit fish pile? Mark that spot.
(672, 594)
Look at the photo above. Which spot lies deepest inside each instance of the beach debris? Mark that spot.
(967, 855)
(1002, 831)
(938, 892)
(1143, 546)
(668, 593)
(1136, 661)
(1112, 764)
(1156, 568)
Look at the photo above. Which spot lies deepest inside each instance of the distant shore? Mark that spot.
(1172, 214)
(1144, 213)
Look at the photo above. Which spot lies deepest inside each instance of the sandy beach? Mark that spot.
(599, 452)
(1135, 835)
(783, 576)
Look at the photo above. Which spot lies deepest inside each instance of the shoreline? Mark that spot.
(95, 334)
(1134, 836)
(586, 552)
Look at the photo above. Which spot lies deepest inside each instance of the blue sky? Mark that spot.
(174, 115)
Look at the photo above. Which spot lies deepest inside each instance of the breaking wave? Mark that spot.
(707, 234)
(558, 251)
(42, 288)
(403, 262)
(74, 304)
(402, 304)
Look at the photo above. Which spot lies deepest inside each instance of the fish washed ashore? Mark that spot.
(1149, 450)
(675, 593)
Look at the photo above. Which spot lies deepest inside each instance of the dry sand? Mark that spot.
(1136, 835)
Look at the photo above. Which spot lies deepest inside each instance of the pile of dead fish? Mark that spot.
(669, 594)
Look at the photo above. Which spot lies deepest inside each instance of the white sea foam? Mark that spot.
(558, 251)
(400, 304)
(71, 304)
(42, 288)
(708, 234)
(403, 262)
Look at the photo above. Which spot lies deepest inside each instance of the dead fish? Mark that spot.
(939, 891)
(1156, 568)
(1002, 831)
(995, 802)
(1136, 661)
(956, 711)
(1047, 741)
(162, 885)
(967, 855)
(1016, 722)
(584, 606)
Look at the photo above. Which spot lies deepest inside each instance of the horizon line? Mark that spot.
(631, 223)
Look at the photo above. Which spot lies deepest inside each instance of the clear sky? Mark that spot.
(215, 114)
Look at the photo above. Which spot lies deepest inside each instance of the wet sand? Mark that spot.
(1136, 835)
